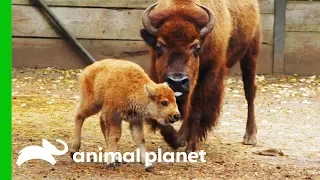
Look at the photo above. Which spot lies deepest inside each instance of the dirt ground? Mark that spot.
(287, 113)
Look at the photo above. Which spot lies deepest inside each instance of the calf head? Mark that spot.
(175, 40)
(162, 105)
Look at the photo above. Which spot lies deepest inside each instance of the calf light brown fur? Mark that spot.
(121, 90)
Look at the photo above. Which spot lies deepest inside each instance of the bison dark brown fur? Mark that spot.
(192, 45)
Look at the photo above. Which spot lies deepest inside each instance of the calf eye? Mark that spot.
(158, 50)
(164, 103)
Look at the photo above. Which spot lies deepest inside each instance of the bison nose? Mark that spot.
(179, 82)
(176, 117)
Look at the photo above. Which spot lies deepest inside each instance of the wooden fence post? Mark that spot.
(279, 36)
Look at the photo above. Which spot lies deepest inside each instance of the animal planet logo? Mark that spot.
(45, 152)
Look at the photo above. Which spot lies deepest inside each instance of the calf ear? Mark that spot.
(150, 91)
(148, 38)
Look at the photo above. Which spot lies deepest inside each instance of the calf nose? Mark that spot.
(176, 117)
(178, 82)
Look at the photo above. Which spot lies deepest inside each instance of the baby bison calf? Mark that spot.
(122, 91)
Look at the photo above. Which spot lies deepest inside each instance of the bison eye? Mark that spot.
(159, 50)
(196, 51)
(164, 103)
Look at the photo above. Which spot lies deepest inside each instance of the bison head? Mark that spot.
(175, 38)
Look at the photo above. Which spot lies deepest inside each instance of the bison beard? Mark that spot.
(226, 33)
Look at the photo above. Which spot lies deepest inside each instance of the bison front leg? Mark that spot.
(183, 133)
(193, 138)
(184, 129)
(206, 107)
(168, 132)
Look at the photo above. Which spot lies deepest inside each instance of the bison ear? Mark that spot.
(150, 91)
(148, 38)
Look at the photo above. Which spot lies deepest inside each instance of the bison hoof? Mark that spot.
(149, 169)
(193, 147)
(249, 140)
(188, 151)
(183, 143)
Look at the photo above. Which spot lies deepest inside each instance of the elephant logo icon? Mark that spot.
(45, 152)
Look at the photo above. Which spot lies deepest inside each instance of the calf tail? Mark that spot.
(169, 134)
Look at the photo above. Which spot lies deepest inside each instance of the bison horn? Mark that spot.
(146, 21)
(208, 28)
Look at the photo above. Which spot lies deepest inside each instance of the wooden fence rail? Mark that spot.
(302, 38)
(107, 29)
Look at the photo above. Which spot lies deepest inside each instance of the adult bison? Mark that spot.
(193, 43)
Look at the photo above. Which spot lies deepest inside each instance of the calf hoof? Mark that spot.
(71, 155)
(117, 163)
(111, 166)
(249, 140)
(149, 169)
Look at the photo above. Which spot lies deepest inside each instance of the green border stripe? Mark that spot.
(5, 90)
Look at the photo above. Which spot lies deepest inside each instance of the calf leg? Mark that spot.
(136, 128)
(248, 68)
(82, 111)
(104, 128)
(112, 131)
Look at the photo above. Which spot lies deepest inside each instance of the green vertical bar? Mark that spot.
(5, 90)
